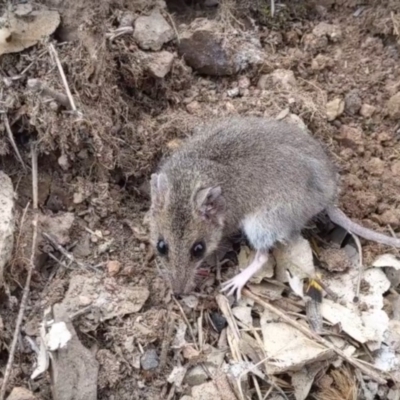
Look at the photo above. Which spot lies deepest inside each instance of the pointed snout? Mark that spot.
(181, 285)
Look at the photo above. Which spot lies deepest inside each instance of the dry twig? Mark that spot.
(12, 141)
(360, 267)
(65, 253)
(25, 294)
(39, 87)
(54, 54)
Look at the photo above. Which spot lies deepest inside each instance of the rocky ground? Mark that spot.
(102, 91)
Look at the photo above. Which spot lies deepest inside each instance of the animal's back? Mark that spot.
(259, 163)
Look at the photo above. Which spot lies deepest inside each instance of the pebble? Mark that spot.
(84, 301)
(234, 92)
(262, 82)
(196, 376)
(149, 360)
(320, 62)
(352, 137)
(244, 82)
(218, 321)
(113, 267)
(127, 19)
(393, 106)
(193, 107)
(283, 77)
(64, 163)
(332, 31)
(367, 111)
(353, 102)
(153, 31)
(160, 64)
(390, 217)
(395, 168)
(334, 109)
(375, 166)
(204, 51)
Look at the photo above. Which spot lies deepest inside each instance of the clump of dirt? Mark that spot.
(95, 161)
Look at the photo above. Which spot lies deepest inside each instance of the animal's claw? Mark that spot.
(235, 284)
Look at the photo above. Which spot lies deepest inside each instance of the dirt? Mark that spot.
(97, 165)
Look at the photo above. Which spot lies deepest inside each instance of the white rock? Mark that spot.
(152, 31)
(334, 109)
(7, 221)
(160, 64)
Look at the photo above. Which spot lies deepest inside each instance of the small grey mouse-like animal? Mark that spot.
(266, 177)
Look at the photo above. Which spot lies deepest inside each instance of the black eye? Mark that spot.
(198, 250)
(162, 247)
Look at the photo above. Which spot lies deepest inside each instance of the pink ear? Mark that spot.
(210, 203)
(159, 188)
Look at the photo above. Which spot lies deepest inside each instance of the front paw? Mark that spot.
(235, 284)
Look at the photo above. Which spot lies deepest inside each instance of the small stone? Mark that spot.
(351, 137)
(149, 360)
(384, 136)
(152, 31)
(393, 106)
(390, 217)
(334, 109)
(113, 267)
(84, 301)
(78, 198)
(196, 376)
(64, 163)
(262, 82)
(219, 321)
(367, 111)
(353, 102)
(314, 43)
(283, 77)
(244, 82)
(193, 107)
(160, 64)
(320, 62)
(375, 166)
(208, 54)
(395, 168)
(234, 92)
(127, 19)
(333, 32)
(19, 393)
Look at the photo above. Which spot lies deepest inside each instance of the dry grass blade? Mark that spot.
(12, 141)
(25, 294)
(355, 363)
(360, 266)
(54, 54)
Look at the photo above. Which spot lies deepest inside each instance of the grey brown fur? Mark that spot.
(264, 176)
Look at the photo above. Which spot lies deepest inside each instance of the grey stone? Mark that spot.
(149, 360)
(152, 31)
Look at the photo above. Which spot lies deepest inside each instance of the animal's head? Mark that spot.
(186, 225)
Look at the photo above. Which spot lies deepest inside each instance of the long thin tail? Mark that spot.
(340, 218)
